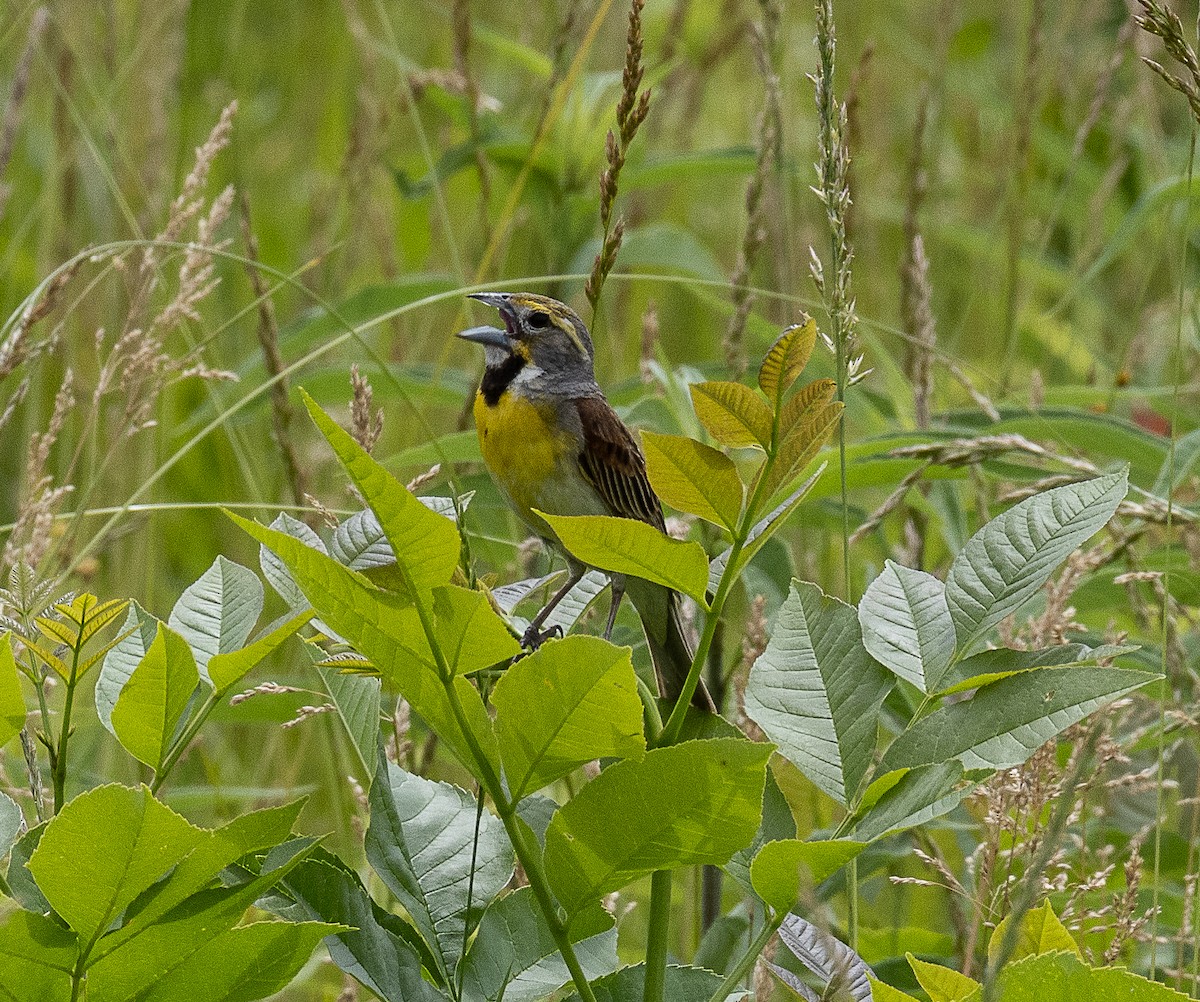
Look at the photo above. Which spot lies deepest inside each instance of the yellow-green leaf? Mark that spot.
(48, 657)
(886, 993)
(801, 447)
(733, 414)
(154, 699)
(79, 608)
(693, 477)
(786, 359)
(941, 983)
(226, 670)
(99, 617)
(56, 631)
(805, 402)
(1040, 932)
(626, 546)
(775, 872)
(425, 544)
(12, 700)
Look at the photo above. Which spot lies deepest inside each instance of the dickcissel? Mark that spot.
(552, 443)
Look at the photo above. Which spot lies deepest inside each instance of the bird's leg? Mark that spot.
(533, 637)
(617, 581)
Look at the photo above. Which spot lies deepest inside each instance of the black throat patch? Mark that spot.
(497, 380)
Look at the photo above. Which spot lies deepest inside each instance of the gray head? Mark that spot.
(539, 334)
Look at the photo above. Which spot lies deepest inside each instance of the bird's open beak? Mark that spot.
(492, 337)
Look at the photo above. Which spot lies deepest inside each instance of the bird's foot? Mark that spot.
(533, 638)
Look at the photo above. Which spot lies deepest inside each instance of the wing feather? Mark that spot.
(613, 463)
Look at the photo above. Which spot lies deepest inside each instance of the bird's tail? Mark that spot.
(670, 648)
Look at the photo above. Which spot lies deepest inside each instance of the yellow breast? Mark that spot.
(523, 449)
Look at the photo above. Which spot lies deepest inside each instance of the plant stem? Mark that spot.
(659, 932)
(747, 959)
(185, 739)
(60, 755)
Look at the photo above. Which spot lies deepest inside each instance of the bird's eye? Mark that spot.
(539, 320)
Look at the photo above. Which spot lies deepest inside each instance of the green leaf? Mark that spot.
(762, 531)
(786, 359)
(237, 965)
(906, 625)
(906, 798)
(12, 823)
(216, 613)
(638, 549)
(1063, 977)
(425, 545)
(816, 692)
(21, 885)
(707, 798)
(514, 954)
(733, 414)
(139, 965)
(48, 657)
(469, 633)
(683, 984)
(105, 848)
(37, 956)
(987, 667)
(775, 871)
(1040, 932)
(274, 569)
(777, 824)
(801, 446)
(226, 670)
(1004, 564)
(422, 843)
(255, 832)
(569, 702)
(140, 629)
(944, 985)
(386, 628)
(1004, 723)
(693, 477)
(371, 951)
(12, 700)
(886, 993)
(153, 701)
(725, 940)
(358, 700)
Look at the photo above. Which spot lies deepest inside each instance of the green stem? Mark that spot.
(658, 935)
(747, 959)
(60, 755)
(185, 739)
(852, 904)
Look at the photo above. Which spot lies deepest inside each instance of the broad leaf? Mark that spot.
(683, 984)
(425, 545)
(778, 824)
(153, 701)
(991, 666)
(809, 400)
(840, 968)
(816, 692)
(881, 992)
(37, 956)
(216, 613)
(386, 628)
(733, 414)
(694, 478)
(1040, 932)
(707, 798)
(942, 984)
(358, 700)
(12, 700)
(906, 625)
(802, 444)
(569, 702)
(140, 629)
(577, 601)
(105, 848)
(1004, 723)
(786, 359)
(422, 843)
(274, 570)
(371, 952)
(638, 549)
(514, 954)
(1063, 977)
(763, 530)
(12, 823)
(1004, 564)
(469, 633)
(775, 871)
(226, 670)
(906, 798)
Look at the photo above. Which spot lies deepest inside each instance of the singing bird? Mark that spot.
(552, 443)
